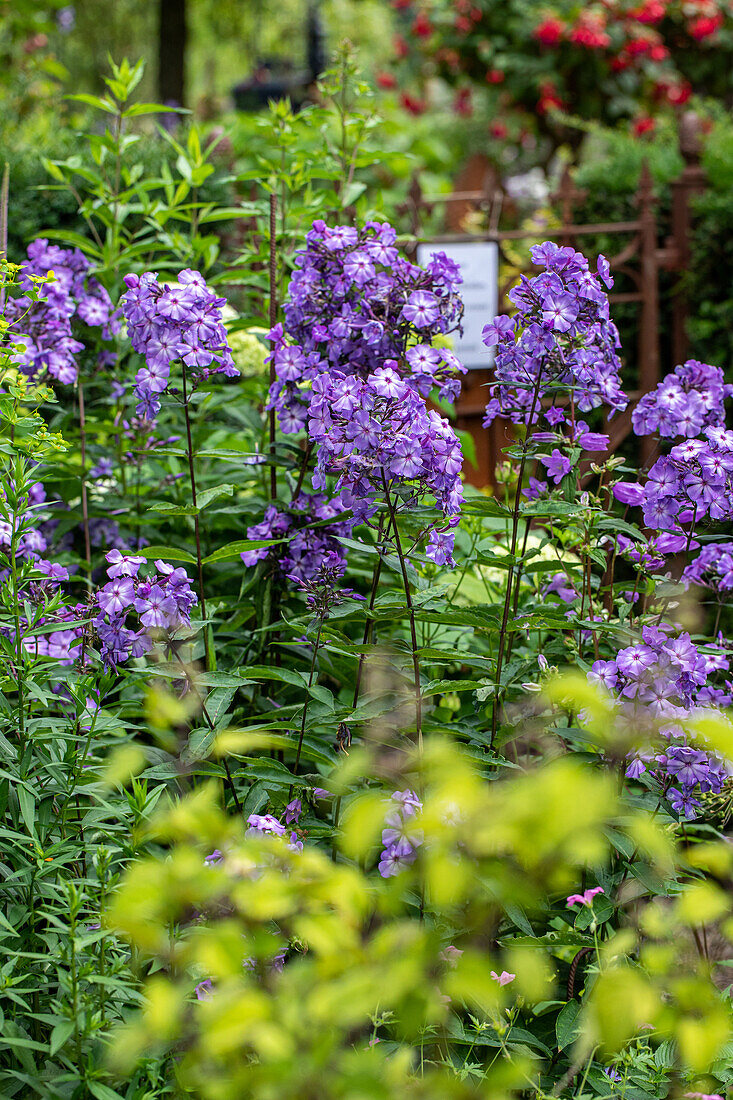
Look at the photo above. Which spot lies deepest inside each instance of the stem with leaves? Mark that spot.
(410, 610)
(197, 530)
(512, 552)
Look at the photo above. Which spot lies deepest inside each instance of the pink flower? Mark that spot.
(451, 955)
(504, 978)
(586, 898)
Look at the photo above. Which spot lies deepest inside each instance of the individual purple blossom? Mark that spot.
(204, 990)
(395, 859)
(557, 464)
(264, 824)
(293, 810)
(505, 978)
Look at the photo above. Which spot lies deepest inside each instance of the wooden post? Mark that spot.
(691, 181)
(649, 321)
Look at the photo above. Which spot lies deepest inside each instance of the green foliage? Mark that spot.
(466, 975)
(390, 987)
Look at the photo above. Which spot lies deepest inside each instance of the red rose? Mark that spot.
(422, 26)
(400, 46)
(650, 12)
(386, 80)
(705, 26)
(498, 130)
(412, 104)
(549, 31)
(643, 125)
(495, 76)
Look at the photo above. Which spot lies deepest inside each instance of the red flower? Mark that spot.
(386, 80)
(658, 53)
(620, 62)
(590, 31)
(679, 93)
(401, 48)
(652, 11)
(412, 104)
(422, 26)
(498, 130)
(705, 26)
(643, 125)
(462, 103)
(549, 98)
(549, 31)
(637, 46)
(400, 5)
(463, 24)
(495, 76)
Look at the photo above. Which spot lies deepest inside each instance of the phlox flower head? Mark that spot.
(168, 323)
(355, 305)
(688, 400)
(560, 342)
(131, 606)
(72, 301)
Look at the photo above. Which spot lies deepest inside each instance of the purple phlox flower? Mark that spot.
(422, 309)
(682, 802)
(408, 801)
(557, 464)
(500, 329)
(604, 673)
(293, 810)
(398, 829)
(586, 898)
(396, 859)
(123, 565)
(117, 596)
(265, 824)
(204, 990)
(213, 858)
(103, 468)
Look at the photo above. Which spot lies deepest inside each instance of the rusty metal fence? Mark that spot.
(639, 259)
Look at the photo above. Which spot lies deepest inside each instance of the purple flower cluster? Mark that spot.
(321, 590)
(355, 305)
(688, 400)
(401, 837)
(302, 555)
(167, 323)
(661, 679)
(712, 568)
(694, 481)
(160, 602)
(269, 825)
(376, 435)
(44, 327)
(559, 344)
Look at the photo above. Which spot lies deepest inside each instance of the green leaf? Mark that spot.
(566, 1025)
(170, 553)
(60, 1034)
(234, 549)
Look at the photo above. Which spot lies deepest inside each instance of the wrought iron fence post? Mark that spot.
(649, 328)
(690, 182)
